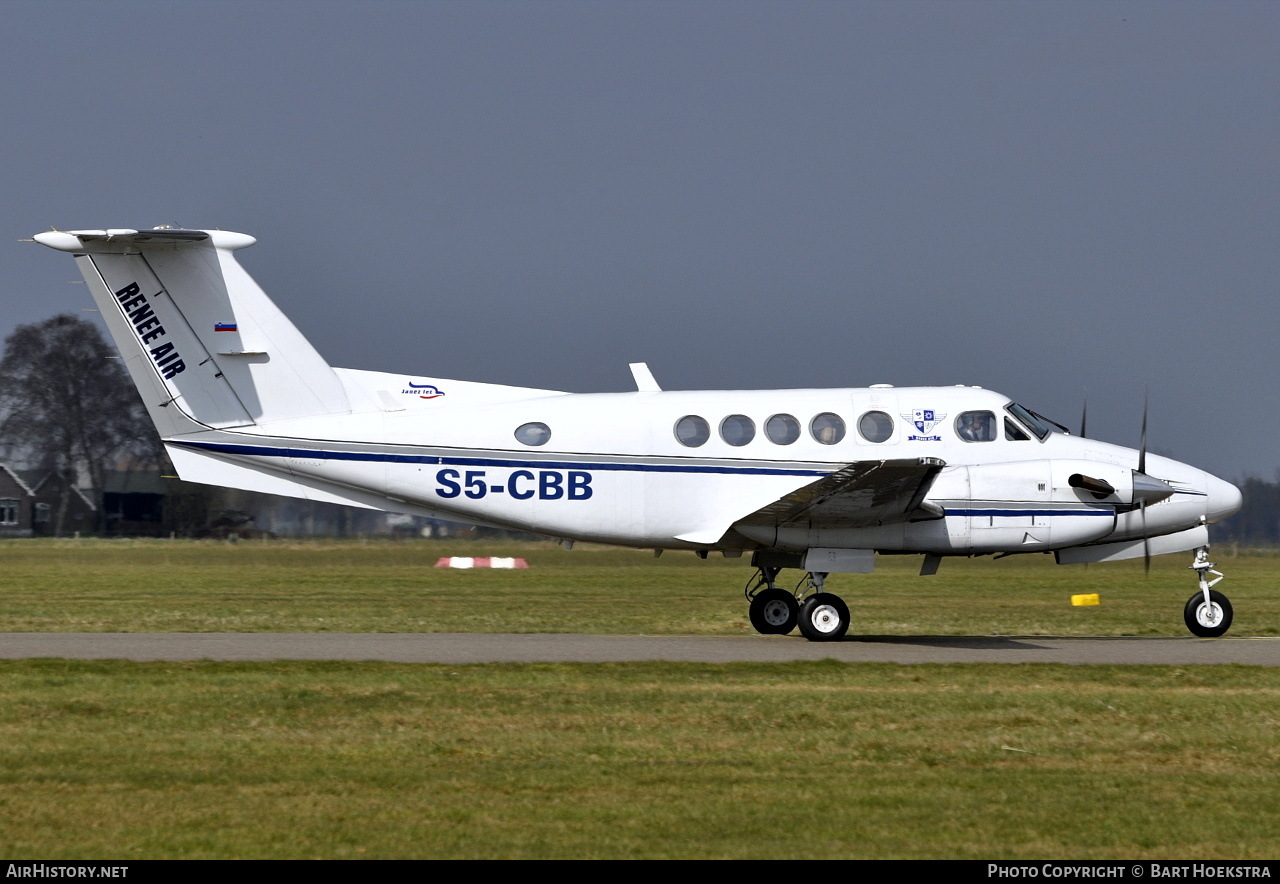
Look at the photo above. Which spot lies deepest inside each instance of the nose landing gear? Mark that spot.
(1207, 613)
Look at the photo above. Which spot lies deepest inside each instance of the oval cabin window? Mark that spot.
(737, 430)
(827, 428)
(692, 431)
(782, 429)
(536, 433)
(875, 426)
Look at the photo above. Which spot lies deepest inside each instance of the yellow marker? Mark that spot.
(1091, 598)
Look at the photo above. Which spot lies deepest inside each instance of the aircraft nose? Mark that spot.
(1224, 499)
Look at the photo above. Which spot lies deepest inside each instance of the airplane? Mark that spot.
(820, 480)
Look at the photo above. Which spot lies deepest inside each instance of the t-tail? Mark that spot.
(204, 344)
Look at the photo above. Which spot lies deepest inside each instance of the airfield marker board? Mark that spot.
(480, 562)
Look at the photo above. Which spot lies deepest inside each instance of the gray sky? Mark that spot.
(1039, 198)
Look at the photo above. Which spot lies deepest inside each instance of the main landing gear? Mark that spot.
(1207, 613)
(822, 616)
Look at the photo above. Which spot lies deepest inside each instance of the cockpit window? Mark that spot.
(1053, 425)
(1028, 420)
(976, 426)
(1013, 432)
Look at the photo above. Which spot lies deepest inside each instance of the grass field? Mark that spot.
(193, 586)
(796, 760)
(119, 760)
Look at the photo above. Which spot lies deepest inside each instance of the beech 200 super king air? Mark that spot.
(818, 480)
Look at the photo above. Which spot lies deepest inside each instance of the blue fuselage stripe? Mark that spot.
(378, 457)
(1006, 512)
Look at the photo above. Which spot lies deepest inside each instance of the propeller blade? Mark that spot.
(1142, 448)
(1146, 540)
(1084, 416)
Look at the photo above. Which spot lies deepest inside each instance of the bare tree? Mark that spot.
(67, 403)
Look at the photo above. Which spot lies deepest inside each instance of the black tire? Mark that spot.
(824, 618)
(1193, 615)
(774, 612)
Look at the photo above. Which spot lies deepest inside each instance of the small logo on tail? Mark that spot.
(225, 326)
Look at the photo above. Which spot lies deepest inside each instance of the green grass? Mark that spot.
(805, 760)
(382, 586)
(120, 760)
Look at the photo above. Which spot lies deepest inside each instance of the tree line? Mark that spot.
(72, 421)
(67, 407)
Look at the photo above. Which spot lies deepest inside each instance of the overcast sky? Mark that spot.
(1039, 198)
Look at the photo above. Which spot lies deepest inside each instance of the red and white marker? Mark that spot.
(480, 562)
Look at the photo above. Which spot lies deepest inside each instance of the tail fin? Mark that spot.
(205, 345)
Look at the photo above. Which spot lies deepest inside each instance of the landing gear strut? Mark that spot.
(822, 616)
(1207, 613)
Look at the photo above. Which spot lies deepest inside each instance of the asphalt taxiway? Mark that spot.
(558, 648)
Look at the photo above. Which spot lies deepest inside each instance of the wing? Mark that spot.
(859, 495)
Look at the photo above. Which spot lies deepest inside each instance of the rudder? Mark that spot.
(197, 332)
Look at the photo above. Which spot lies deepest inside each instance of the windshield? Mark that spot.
(1037, 424)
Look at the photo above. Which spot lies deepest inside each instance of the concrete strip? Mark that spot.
(533, 648)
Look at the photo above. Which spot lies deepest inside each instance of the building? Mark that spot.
(29, 503)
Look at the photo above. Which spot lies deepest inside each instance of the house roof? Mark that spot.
(21, 483)
(31, 481)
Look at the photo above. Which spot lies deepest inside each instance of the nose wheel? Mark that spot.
(1208, 613)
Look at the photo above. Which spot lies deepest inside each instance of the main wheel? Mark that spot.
(824, 618)
(774, 612)
(1211, 620)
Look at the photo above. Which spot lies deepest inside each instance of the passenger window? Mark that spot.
(533, 434)
(692, 431)
(976, 426)
(737, 429)
(875, 426)
(827, 428)
(782, 429)
(1014, 433)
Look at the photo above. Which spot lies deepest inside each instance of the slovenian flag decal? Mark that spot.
(224, 326)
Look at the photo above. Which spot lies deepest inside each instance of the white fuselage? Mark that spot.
(613, 469)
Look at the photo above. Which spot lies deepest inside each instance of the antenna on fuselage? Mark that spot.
(644, 378)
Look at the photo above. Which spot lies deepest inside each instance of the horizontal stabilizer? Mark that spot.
(210, 469)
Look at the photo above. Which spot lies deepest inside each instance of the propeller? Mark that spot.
(1142, 469)
(1142, 448)
(1084, 415)
(1146, 541)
